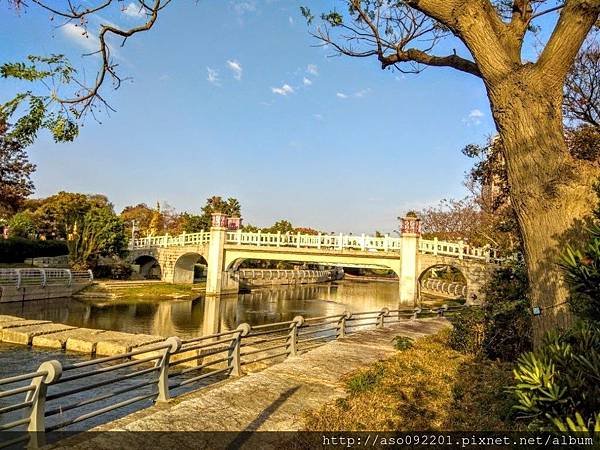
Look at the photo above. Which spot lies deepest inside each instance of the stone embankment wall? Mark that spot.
(251, 278)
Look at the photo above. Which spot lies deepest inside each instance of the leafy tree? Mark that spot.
(157, 222)
(192, 223)
(100, 233)
(141, 214)
(22, 225)
(57, 215)
(15, 171)
(551, 191)
(281, 226)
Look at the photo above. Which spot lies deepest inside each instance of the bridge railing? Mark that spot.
(58, 396)
(318, 241)
(276, 274)
(436, 285)
(458, 250)
(200, 238)
(30, 277)
(337, 242)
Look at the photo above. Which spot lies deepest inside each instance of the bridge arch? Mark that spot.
(183, 269)
(149, 266)
(446, 287)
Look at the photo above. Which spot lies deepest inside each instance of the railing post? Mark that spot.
(19, 278)
(341, 325)
(441, 310)
(163, 374)
(363, 245)
(234, 359)
(319, 241)
(298, 240)
(292, 339)
(386, 243)
(70, 279)
(435, 246)
(44, 277)
(461, 249)
(36, 412)
(341, 242)
(91, 274)
(278, 238)
(380, 317)
(258, 239)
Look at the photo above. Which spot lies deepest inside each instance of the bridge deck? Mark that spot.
(271, 400)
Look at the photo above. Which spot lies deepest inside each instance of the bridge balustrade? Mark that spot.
(338, 242)
(439, 286)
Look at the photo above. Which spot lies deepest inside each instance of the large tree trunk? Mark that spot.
(550, 191)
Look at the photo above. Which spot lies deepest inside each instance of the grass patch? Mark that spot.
(426, 387)
(402, 343)
(165, 290)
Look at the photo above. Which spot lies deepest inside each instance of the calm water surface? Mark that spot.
(189, 318)
(184, 318)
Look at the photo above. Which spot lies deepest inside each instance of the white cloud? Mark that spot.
(306, 81)
(243, 7)
(213, 76)
(133, 10)
(476, 113)
(362, 93)
(474, 117)
(81, 37)
(283, 90)
(357, 94)
(318, 116)
(164, 77)
(291, 20)
(312, 69)
(236, 68)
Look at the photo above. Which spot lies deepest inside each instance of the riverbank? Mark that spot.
(412, 391)
(111, 289)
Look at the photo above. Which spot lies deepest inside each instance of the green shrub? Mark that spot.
(561, 380)
(582, 273)
(468, 331)
(365, 380)
(120, 271)
(16, 250)
(402, 343)
(501, 329)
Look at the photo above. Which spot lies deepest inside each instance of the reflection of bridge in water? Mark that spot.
(408, 256)
(190, 318)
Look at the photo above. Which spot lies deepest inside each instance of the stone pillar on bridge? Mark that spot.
(410, 231)
(218, 281)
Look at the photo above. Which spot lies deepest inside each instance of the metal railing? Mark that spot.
(438, 286)
(30, 277)
(58, 396)
(276, 274)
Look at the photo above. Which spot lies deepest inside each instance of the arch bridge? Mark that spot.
(223, 250)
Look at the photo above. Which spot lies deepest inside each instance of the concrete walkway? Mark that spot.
(273, 399)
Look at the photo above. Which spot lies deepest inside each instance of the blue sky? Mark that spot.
(232, 98)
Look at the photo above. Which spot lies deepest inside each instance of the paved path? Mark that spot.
(273, 399)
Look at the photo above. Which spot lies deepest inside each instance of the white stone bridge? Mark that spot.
(223, 250)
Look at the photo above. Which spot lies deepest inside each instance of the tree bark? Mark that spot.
(550, 191)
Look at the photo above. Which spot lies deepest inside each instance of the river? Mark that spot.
(190, 318)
